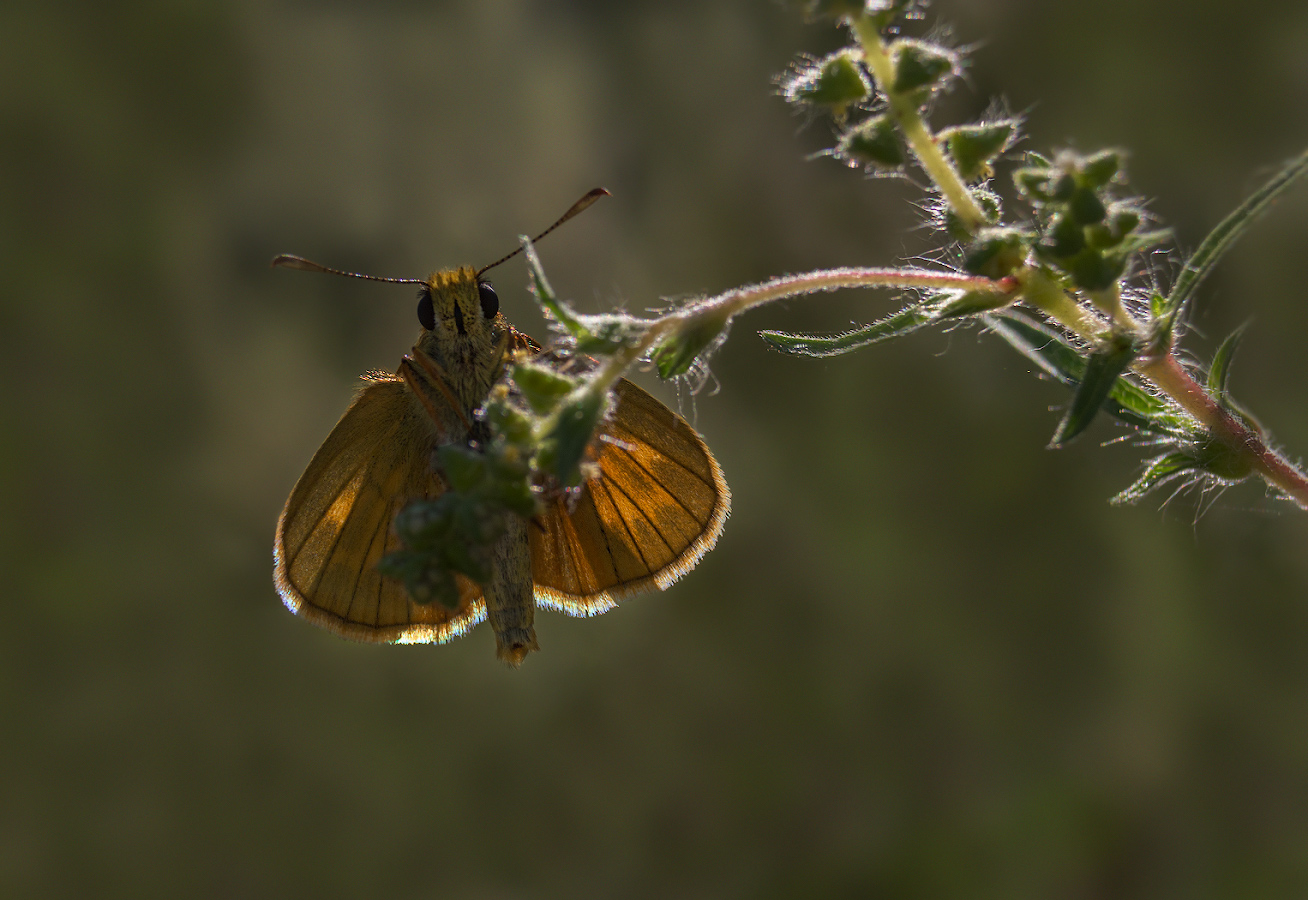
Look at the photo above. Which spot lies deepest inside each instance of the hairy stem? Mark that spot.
(1170, 376)
(923, 144)
(1045, 293)
(741, 299)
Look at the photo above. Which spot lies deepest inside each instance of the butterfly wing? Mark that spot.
(658, 505)
(337, 524)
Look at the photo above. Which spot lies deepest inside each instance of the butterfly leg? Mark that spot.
(510, 601)
(430, 385)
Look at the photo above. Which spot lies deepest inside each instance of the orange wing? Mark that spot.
(657, 506)
(337, 524)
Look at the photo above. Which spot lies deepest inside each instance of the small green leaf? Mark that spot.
(971, 303)
(511, 424)
(873, 144)
(1033, 183)
(1064, 187)
(1220, 370)
(608, 333)
(835, 82)
(1064, 240)
(906, 320)
(964, 230)
(541, 387)
(996, 252)
(1157, 302)
(696, 338)
(1096, 270)
(1099, 168)
(564, 448)
(974, 146)
(919, 64)
(1085, 207)
(1128, 402)
(464, 468)
(1100, 376)
(1223, 462)
(1123, 219)
(425, 583)
(1220, 239)
(1159, 471)
(555, 308)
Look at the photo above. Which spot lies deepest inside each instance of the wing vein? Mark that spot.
(308, 533)
(654, 478)
(635, 438)
(336, 539)
(631, 538)
(652, 524)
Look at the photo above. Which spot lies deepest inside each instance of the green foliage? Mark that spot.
(834, 83)
(1102, 370)
(1127, 401)
(973, 147)
(874, 144)
(1070, 261)
(1051, 284)
(1221, 238)
(920, 66)
(905, 321)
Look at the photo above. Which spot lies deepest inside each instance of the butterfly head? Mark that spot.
(462, 327)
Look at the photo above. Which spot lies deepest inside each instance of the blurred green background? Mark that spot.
(926, 659)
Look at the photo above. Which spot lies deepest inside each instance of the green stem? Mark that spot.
(1047, 295)
(1110, 303)
(904, 108)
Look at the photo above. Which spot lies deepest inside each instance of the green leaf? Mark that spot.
(874, 143)
(1159, 471)
(697, 338)
(835, 82)
(1220, 239)
(1101, 374)
(463, 467)
(996, 252)
(509, 423)
(1085, 207)
(1097, 170)
(564, 447)
(970, 303)
(974, 146)
(1220, 370)
(919, 64)
(555, 308)
(608, 333)
(906, 320)
(542, 387)
(1127, 402)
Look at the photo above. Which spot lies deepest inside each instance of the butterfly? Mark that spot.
(654, 502)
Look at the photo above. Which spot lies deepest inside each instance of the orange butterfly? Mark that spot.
(653, 507)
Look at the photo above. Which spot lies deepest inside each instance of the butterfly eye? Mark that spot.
(490, 301)
(426, 311)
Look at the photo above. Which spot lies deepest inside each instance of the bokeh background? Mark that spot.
(926, 659)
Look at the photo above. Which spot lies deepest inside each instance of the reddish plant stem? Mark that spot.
(1168, 373)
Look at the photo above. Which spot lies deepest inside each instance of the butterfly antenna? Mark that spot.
(287, 261)
(583, 203)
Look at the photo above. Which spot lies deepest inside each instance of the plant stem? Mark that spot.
(1170, 376)
(1048, 296)
(741, 299)
(920, 140)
